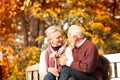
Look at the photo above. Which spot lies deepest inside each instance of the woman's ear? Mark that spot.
(50, 40)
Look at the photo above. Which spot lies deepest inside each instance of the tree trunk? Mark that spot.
(34, 31)
(41, 33)
(0, 73)
(24, 31)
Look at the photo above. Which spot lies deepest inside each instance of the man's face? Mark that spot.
(56, 39)
(71, 38)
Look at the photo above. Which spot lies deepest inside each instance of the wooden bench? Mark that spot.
(114, 68)
(113, 61)
(32, 72)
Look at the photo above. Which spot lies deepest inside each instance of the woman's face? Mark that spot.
(56, 39)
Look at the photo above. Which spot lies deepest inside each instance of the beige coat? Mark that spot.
(42, 64)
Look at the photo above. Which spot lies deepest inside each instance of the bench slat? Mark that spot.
(33, 67)
(115, 79)
(112, 70)
(113, 57)
(118, 69)
(35, 75)
(29, 76)
(114, 60)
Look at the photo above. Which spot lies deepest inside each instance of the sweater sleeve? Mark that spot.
(69, 56)
(88, 62)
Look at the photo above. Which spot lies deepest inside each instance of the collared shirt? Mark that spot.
(81, 43)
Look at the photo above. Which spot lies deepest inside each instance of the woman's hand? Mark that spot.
(54, 55)
(54, 71)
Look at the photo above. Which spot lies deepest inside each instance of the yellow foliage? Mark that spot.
(6, 61)
(36, 9)
(88, 34)
(71, 13)
(101, 14)
(70, 1)
(58, 10)
(24, 58)
(47, 1)
(79, 3)
(99, 42)
(27, 1)
(45, 15)
(103, 17)
(97, 26)
(2, 10)
(50, 12)
(53, 14)
(117, 37)
(13, 25)
(75, 12)
(106, 29)
(22, 8)
(99, 5)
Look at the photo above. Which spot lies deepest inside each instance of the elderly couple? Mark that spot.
(61, 62)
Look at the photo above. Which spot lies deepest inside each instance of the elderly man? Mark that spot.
(85, 64)
(49, 67)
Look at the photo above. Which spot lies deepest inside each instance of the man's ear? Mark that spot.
(75, 37)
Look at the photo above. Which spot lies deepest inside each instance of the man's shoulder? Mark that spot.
(89, 43)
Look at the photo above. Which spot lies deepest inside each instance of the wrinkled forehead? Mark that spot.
(55, 34)
(54, 31)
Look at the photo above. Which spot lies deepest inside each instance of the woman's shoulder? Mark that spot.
(43, 52)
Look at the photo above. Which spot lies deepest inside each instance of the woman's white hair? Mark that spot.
(76, 30)
(51, 30)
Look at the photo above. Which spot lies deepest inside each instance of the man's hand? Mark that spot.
(54, 71)
(62, 60)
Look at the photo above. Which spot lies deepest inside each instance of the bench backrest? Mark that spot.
(32, 72)
(114, 60)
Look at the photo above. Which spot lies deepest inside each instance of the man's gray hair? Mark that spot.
(51, 30)
(76, 30)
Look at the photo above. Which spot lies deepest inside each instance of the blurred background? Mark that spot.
(23, 22)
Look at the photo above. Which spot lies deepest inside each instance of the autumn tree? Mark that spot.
(18, 28)
(22, 24)
(22, 21)
(93, 15)
(9, 12)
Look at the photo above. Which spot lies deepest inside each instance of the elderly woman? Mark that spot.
(49, 67)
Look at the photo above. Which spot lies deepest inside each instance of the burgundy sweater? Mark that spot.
(86, 59)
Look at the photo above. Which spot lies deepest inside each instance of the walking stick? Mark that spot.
(60, 51)
(56, 67)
